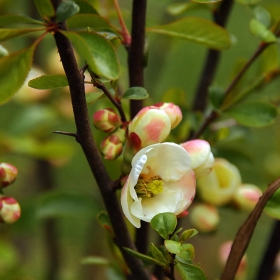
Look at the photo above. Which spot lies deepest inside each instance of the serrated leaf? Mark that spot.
(188, 234)
(86, 7)
(92, 97)
(49, 82)
(8, 33)
(164, 224)
(157, 254)
(136, 93)
(45, 8)
(17, 19)
(94, 22)
(190, 272)
(147, 259)
(66, 10)
(14, 69)
(174, 247)
(272, 206)
(94, 260)
(198, 30)
(98, 53)
(254, 114)
(259, 30)
(207, 1)
(66, 204)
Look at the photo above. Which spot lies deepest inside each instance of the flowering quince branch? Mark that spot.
(245, 233)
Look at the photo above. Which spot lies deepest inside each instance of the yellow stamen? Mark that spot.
(149, 187)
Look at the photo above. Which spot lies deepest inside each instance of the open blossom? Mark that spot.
(160, 180)
(151, 124)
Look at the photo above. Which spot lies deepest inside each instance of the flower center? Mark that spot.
(149, 187)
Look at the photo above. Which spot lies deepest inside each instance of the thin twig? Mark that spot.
(65, 133)
(245, 233)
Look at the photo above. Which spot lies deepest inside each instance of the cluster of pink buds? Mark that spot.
(9, 207)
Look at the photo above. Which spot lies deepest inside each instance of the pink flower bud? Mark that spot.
(8, 174)
(246, 197)
(112, 145)
(204, 217)
(9, 210)
(202, 159)
(106, 120)
(173, 112)
(151, 124)
(219, 187)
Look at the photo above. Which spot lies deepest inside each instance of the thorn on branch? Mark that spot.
(66, 133)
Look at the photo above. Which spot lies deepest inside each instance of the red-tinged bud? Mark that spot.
(106, 120)
(204, 217)
(183, 214)
(151, 124)
(246, 197)
(9, 210)
(173, 112)
(112, 145)
(8, 174)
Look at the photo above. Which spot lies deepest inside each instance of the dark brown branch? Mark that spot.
(212, 61)
(85, 138)
(245, 233)
(135, 57)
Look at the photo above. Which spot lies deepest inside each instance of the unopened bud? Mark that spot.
(151, 124)
(202, 159)
(173, 112)
(9, 210)
(204, 217)
(106, 120)
(247, 196)
(8, 174)
(112, 145)
(219, 187)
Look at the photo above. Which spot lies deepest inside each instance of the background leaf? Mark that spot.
(45, 8)
(258, 29)
(198, 30)
(17, 19)
(164, 224)
(8, 33)
(136, 93)
(85, 7)
(272, 207)
(190, 272)
(49, 82)
(66, 10)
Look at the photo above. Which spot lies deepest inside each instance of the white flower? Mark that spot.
(160, 180)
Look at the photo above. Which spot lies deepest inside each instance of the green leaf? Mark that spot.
(17, 19)
(94, 22)
(49, 82)
(98, 53)
(174, 247)
(187, 253)
(254, 114)
(272, 206)
(136, 93)
(188, 234)
(164, 224)
(86, 7)
(147, 259)
(66, 204)
(157, 254)
(7, 33)
(66, 10)
(207, 1)
(248, 2)
(216, 95)
(95, 260)
(3, 51)
(259, 30)
(262, 15)
(92, 97)
(198, 30)
(104, 220)
(14, 69)
(45, 8)
(190, 272)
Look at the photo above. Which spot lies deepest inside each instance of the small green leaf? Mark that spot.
(49, 82)
(92, 97)
(164, 224)
(254, 114)
(157, 254)
(98, 53)
(190, 272)
(187, 252)
(272, 206)
(94, 260)
(262, 15)
(178, 8)
(17, 19)
(216, 95)
(104, 220)
(198, 30)
(66, 10)
(45, 8)
(174, 247)
(147, 260)
(188, 234)
(85, 7)
(136, 93)
(94, 22)
(258, 29)
(8, 33)
(3, 51)
(14, 69)
(207, 1)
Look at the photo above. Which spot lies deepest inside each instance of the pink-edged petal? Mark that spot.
(205, 168)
